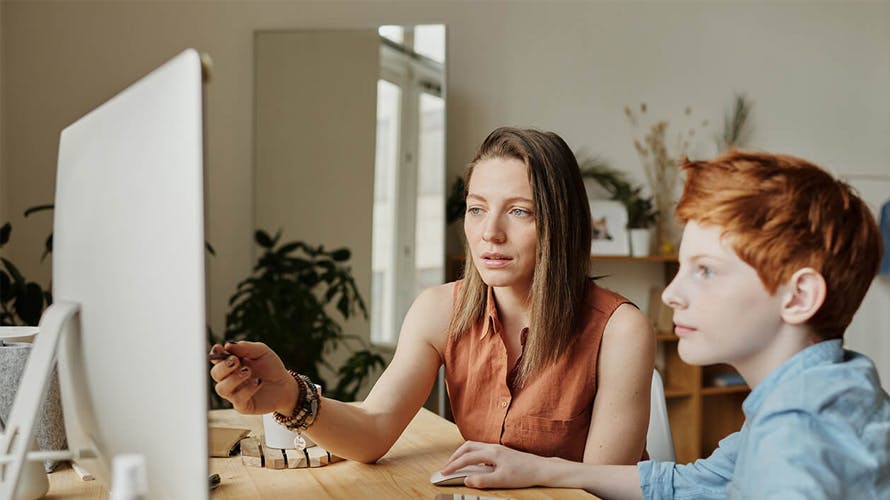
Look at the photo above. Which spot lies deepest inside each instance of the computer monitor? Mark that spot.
(128, 249)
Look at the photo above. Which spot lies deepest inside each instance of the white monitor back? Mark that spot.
(129, 248)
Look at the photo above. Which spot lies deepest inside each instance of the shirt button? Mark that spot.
(503, 404)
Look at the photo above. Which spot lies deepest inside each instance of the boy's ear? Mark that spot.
(804, 295)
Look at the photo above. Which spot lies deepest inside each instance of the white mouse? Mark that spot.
(457, 477)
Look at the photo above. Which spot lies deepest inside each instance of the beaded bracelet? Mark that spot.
(307, 406)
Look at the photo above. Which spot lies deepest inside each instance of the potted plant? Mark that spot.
(641, 213)
(21, 301)
(641, 216)
(288, 302)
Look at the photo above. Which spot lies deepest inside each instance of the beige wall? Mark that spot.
(314, 142)
(2, 118)
(818, 74)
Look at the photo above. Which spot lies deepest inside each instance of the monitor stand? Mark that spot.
(59, 323)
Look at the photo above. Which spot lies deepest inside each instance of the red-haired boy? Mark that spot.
(775, 259)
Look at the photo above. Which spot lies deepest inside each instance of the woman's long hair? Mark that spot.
(563, 257)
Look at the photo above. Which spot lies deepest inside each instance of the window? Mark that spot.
(409, 180)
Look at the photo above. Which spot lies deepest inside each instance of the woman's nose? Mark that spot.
(492, 231)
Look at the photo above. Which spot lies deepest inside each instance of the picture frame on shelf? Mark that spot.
(609, 223)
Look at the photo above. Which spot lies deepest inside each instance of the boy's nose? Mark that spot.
(672, 296)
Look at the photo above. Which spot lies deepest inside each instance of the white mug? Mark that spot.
(278, 436)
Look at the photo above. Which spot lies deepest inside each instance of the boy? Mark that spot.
(775, 259)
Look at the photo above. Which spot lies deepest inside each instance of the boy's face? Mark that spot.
(722, 312)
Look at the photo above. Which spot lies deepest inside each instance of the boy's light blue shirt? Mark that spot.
(816, 427)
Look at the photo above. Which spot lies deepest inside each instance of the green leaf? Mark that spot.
(29, 305)
(39, 208)
(47, 246)
(17, 277)
(343, 306)
(263, 239)
(341, 254)
(4, 233)
(5, 287)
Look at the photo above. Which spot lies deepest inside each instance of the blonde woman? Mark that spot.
(537, 356)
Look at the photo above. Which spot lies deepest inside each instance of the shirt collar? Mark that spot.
(827, 351)
(492, 321)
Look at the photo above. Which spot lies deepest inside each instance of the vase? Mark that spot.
(640, 242)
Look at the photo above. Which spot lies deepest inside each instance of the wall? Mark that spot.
(2, 118)
(314, 143)
(817, 72)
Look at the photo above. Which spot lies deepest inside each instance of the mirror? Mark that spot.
(349, 142)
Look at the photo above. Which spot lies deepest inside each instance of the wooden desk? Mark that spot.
(403, 473)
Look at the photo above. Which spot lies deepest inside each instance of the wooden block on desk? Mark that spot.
(274, 458)
(224, 440)
(251, 452)
(318, 457)
(296, 459)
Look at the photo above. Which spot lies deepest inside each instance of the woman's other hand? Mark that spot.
(512, 469)
(253, 378)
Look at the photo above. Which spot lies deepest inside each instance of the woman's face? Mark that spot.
(500, 222)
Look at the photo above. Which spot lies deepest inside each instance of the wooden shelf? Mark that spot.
(629, 258)
(731, 389)
(672, 392)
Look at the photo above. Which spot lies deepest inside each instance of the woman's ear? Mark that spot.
(804, 295)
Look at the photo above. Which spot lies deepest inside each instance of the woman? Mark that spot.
(537, 357)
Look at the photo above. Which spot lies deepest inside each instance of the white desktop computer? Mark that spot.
(128, 323)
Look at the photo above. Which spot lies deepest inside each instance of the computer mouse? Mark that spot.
(457, 477)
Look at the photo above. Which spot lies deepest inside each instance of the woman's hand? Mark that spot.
(512, 469)
(253, 378)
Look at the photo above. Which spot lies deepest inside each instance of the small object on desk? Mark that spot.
(296, 459)
(728, 380)
(456, 478)
(255, 454)
(214, 481)
(274, 458)
(82, 473)
(252, 452)
(224, 440)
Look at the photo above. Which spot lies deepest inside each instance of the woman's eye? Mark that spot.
(520, 212)
(474, 210)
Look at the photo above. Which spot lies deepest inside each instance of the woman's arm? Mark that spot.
(363, 432)
(620, 414)
(516, 469)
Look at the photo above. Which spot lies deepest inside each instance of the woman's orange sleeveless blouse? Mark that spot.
(550, 415)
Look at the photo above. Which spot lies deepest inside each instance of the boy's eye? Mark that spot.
(704, 271)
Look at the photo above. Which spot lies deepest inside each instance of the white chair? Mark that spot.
(659, 442)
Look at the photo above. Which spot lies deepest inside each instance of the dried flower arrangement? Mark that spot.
(736, 124)
(661, 166)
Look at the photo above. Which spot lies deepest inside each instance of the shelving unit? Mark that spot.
(701, 414)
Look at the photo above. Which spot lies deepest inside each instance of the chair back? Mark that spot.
(659, 442)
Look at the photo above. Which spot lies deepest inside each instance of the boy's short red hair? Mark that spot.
(782, 214)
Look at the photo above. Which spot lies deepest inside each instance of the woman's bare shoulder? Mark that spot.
(628, 329)
(430, 315)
